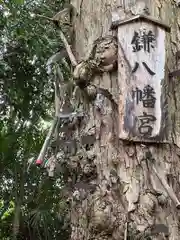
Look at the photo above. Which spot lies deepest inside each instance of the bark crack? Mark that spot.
(81, 8)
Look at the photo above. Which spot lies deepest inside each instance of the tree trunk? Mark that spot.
(129, 200)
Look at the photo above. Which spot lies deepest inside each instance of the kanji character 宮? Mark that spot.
(145, 128)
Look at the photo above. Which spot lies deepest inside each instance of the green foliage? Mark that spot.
(19, 1)
(6, 209)
(26, 97)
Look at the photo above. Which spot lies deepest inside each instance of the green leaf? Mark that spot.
(20, 2)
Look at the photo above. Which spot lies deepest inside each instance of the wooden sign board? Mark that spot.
(141, 75)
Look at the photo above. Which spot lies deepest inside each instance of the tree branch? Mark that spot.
(64, 40)
(68, 49)
(41, 156)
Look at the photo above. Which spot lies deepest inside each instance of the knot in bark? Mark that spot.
(104, 53)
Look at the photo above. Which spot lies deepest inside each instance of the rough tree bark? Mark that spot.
(128, 200)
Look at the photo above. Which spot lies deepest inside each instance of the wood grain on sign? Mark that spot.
(141, 75)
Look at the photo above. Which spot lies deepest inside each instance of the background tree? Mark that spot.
(26, 107)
